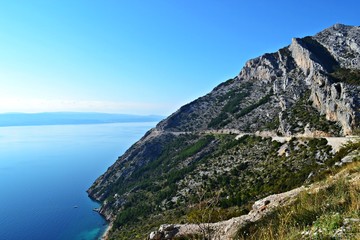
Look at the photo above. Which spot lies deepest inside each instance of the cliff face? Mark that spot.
(309, 88)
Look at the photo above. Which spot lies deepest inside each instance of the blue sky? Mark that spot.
(141, 56)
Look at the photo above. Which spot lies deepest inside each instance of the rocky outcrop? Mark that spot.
(226, 230)
(343, 43)
(337, 102)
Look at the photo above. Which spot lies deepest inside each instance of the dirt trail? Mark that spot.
(334, 142)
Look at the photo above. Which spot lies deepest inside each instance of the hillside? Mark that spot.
(266, 131)
(327, 209)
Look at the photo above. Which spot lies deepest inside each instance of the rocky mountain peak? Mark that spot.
(343, 42)
(308, 64)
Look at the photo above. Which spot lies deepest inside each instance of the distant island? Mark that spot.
(69, 118)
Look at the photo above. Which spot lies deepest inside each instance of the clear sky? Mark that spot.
(142, 56)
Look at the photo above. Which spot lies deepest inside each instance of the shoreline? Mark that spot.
(105, 235)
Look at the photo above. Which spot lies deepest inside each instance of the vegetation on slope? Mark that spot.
(252, 168)
(349, 76)
(233, 101)
(237, 172)
(328, 210)
(150, 187)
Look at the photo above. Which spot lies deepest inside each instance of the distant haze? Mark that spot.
(66, 118)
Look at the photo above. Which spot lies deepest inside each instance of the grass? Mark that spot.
(330, 210)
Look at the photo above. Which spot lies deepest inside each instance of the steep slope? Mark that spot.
(307, 89)
(327, 209)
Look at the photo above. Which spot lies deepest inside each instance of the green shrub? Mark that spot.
(349, 76)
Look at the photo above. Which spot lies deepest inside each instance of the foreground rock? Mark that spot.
(227, 230)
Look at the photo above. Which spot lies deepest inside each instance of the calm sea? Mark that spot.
(45, 171)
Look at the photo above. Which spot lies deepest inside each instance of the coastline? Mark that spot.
(106, 233)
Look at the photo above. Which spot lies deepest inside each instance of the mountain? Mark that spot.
(65, 118)
(275, 126)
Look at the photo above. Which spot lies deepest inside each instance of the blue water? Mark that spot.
(45, 171)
